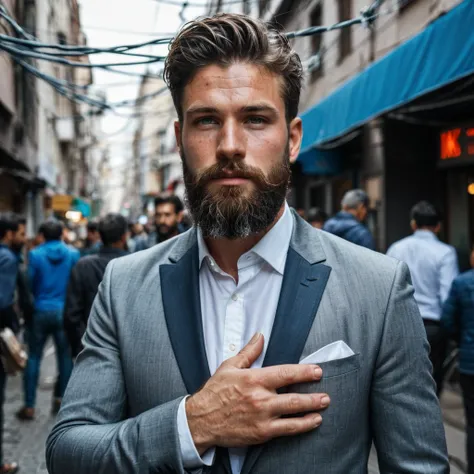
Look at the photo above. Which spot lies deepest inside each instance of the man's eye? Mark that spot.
(206, 121)
(256, 120)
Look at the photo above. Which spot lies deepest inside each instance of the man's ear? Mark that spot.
(177, 134)
(294, 138)
(180, 217)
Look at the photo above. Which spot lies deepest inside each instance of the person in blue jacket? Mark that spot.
(349, 223)
(49, 268)
(458, 321)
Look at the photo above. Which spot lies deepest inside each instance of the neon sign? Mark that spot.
(457, 143)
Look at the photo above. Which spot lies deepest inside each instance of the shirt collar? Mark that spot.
(425, 234)
(272, 248)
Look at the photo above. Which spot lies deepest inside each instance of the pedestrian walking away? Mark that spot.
(349, 223)
(49, 268)
(252, 343)
(433, 266)
(458, 321)
(12, 238)
(87, 275)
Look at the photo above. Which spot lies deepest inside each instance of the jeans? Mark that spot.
(438, 348)
(46, 324)
(467, 385)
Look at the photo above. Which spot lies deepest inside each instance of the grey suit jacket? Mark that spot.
(144, 351)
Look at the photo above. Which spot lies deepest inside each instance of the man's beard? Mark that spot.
(165, 232)
(234, 212)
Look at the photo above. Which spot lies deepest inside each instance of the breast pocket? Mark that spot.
(341, 382)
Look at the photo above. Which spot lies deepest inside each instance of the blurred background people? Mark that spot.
(87, 275)
(349, 222)
(49, 268)
(168, 218)
(317, 217)
(93, 243)
(433, 266)
(12, 237)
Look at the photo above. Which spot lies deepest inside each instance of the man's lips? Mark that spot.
(230, 180)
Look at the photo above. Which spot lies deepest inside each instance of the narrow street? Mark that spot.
(25, 442)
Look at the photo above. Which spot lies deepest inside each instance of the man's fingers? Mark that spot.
(283, 375)
(249, 354)
(293, 403)
(294, 426)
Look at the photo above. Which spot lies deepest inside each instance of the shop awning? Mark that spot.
(441, 54)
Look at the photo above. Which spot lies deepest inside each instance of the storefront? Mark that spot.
(456, 162)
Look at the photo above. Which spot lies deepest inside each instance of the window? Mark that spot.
(345, 34)
(316, 63)
(61, 38)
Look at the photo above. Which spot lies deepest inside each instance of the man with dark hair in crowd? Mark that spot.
(49, 267)
(349, 222)
(168, 217)
(433, 266)
(87, 275)
(317, 217)
(93, 242)
(10, 239)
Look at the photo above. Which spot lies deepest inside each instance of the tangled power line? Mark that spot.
(25, 49)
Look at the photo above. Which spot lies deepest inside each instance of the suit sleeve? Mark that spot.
(93, 433)
(405, 413)
(74, 310)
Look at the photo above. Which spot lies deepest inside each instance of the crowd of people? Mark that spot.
(48, 285)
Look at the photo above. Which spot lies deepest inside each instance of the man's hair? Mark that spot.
(8, 221)
(51, 230)
(112, 228)
(92, 226)
(225, 39)
(354, 198)
(425, 215)
(174, 200)
(316, 214)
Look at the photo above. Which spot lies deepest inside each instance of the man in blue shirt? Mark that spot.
(12, 235)
(433, 266)
(49, 269)
(458, 320)
(349, 223)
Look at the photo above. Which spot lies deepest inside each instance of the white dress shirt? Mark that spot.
(433, 266)
(233, 312)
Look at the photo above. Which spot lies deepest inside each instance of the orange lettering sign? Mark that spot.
(450, 147)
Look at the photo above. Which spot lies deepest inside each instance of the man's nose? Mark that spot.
(232, 141)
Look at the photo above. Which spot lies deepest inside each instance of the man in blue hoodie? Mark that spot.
(349, 223)
(49, 268)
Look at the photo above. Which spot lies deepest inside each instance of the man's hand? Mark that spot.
(239, 406)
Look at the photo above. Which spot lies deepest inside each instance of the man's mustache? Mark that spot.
(226, 171)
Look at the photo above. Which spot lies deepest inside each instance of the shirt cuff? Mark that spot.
(189, 454)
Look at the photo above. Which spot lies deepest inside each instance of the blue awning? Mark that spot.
(441, 54)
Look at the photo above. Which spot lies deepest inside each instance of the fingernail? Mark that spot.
(255, 338)
(318, 372)
(325, 401)
(318, 419)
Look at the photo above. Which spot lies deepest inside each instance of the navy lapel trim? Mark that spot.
(182, 308)
(302, 289)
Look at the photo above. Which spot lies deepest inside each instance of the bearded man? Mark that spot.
(252, 343)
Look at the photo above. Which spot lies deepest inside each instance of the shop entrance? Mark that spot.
(460, 212)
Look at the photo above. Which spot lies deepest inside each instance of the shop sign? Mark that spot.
(61, 202)
(457, 144)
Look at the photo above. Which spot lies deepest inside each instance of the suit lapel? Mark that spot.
(182, 308)
(302, 289)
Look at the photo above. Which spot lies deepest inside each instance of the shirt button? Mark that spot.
(232, 347)
(235, 297)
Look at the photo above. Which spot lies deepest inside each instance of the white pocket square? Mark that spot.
(334, 351)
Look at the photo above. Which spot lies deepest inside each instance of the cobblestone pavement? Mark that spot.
(25, 441)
